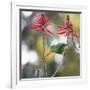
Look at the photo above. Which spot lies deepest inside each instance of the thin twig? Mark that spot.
(56, 71)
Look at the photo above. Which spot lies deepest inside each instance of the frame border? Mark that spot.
(15, 35)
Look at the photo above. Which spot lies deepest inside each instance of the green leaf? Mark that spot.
(59, 48)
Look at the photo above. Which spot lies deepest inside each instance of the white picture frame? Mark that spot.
(15, 81)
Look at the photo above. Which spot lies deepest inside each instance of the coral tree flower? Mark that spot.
(67, 29)
(42, 23)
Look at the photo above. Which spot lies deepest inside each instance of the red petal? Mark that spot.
(42, 19)
(37, 26)
(61, 32)
(48, 31)
(74, 34)
(38, 29)
(45, 19)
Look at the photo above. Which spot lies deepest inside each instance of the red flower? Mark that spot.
(42, 24)
(67, 29)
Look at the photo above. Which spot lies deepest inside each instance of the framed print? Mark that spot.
(48, 44)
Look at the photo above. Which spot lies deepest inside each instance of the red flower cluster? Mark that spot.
(42, 24)
(67, 29)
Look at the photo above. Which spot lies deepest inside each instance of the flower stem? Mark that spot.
(45, 66)
(48, 53)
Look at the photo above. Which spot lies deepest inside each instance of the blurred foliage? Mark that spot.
(73, 67)
(59, 48)
(51, 67)
(28, 71)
